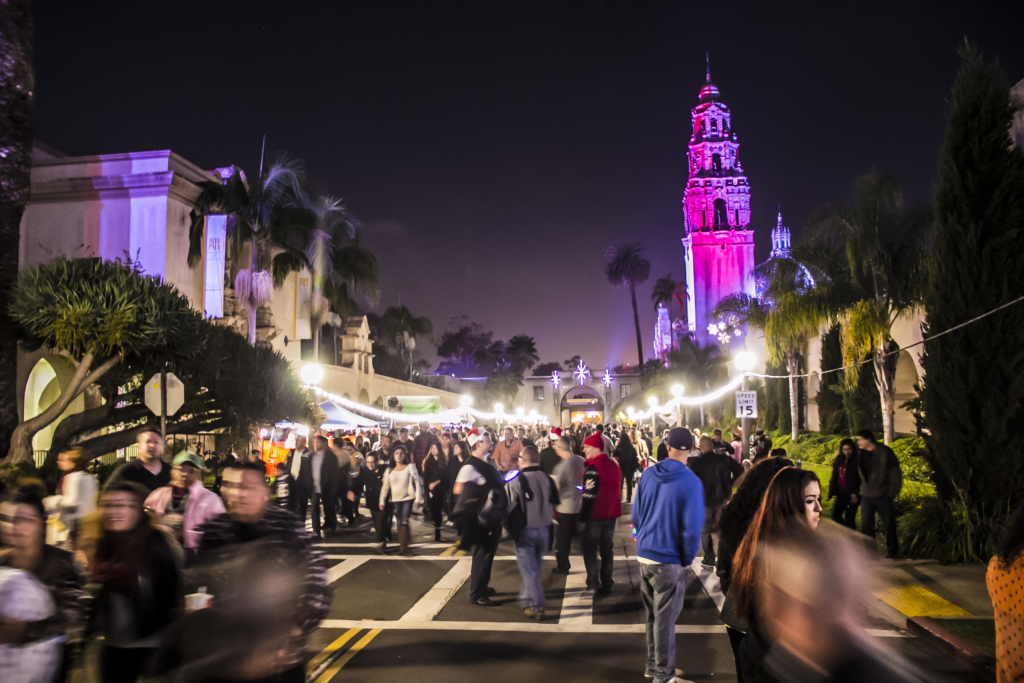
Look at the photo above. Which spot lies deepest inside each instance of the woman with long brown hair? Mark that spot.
(793, 501)
(435, 480)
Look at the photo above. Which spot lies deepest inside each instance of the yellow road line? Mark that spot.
(337, 644)
(459, 553)
(447, 552)
(912, 600)
(345, 658)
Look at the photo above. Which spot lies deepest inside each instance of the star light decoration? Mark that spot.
(582, 373)
(726, 329)
(607, 378)
(556, 379)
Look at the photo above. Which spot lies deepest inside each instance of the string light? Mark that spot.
(448, 416)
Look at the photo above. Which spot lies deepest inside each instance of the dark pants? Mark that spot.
(885, 509)
(330, 520)
(662, 587)
(436, 504)
(483, 558)
(565, 531)
(123, 664)
(300, 504)
(843, 511)
(711, 515)
(735, 638)
(598, 536)
(382, 521)
(627, 479)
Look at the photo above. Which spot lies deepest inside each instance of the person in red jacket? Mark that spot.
(602, 506)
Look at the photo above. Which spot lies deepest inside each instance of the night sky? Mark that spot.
(494, 149)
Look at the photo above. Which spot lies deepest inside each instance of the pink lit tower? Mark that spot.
(719, 243)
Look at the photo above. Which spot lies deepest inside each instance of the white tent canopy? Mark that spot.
(341, 418)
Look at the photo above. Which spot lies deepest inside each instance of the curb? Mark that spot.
(970, 654)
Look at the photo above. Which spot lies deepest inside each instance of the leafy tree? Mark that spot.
(99, 313)
(231, 386)
(973, 394)
(270, 217)
(571, 363)
(337, 262)
(832, 416)
(458, 347)
(627, 267)
(399, 329)
(17, 105)
(547, 368)
(521, 352)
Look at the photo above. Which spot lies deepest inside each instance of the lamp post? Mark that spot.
(677, 392)
(745, 361)
(498, 408)
(652, 402)
(466, 402)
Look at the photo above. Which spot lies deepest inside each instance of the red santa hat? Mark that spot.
(473, 436)
(595, 440)
(557, 431)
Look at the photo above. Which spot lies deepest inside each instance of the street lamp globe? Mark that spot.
(652, 401)
(311, 373)
(520, 411)
(498, 408)
(466, 401)
(745, 360)
(677, 390)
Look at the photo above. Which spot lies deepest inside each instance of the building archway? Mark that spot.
(582, 404)
(906, 378)
(721, 218)
(41, 390)
(364, 397)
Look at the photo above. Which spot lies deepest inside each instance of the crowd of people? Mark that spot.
(172, 579)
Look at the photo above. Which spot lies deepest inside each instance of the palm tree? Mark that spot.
(268, 216)
(873, 254)
(626, 267)
(399, 329)
(522, 353)
(17, 105)
(336, 261)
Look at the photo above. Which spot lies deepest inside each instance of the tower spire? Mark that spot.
(707, 59)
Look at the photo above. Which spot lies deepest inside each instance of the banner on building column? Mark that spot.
(213, 276)
(303, 299)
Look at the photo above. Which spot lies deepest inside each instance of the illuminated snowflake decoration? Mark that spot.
(726, 329)
(556, 379)
(607, 378)
(582, 373)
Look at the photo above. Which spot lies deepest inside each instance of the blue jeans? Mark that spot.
(662, 589)
(402, 510)
(530, 549)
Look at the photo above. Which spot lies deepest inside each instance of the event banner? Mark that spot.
(417, 404)
(213, 280)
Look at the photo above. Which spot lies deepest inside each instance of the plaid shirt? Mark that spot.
(286, 526)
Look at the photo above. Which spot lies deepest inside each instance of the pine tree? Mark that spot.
(973, 395)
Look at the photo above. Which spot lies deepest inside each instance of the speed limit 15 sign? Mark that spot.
(746, 404)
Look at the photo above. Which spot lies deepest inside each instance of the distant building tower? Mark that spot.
(662, 334)
(781, 257)
(719, 243)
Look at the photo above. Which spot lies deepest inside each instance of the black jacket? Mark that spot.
(717, 472)
(329, 475)
(852, 476)
(627, 459)
(372, 483)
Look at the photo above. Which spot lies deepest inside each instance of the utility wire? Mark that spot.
(892, 353)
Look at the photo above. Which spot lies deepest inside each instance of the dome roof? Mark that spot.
(781, 265)
(709, 93)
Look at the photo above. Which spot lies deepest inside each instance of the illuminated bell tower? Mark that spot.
(719, 243)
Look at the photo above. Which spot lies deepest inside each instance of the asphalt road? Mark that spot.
(410, 618)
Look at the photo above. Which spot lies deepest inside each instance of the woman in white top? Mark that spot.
(75, 498)
(403, 486)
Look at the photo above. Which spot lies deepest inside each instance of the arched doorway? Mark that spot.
(582, 404)
(721, 215)
(906, 378)
(41, 390)
(364, 397)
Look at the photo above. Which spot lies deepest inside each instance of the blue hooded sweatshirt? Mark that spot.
(668, 513)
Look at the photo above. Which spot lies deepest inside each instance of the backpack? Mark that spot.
(493, 510)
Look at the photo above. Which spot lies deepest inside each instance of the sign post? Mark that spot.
(746, 408)
(164, 396)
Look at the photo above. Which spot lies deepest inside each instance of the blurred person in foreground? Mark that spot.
(810, 597)
(668, 516)
(250, 518)
(1004, 579)
(733, 524)
(135, 578)
(792, 503)
(74, 500)
(185, 505)
(42, 616)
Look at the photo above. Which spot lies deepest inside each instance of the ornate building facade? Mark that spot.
(718, 244)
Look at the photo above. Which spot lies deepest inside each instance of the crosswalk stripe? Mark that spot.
(347, 657)
(708, 577)
(577, 601)
(427, 607)
(339, 570)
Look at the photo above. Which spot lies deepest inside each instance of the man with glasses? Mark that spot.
(186, 504)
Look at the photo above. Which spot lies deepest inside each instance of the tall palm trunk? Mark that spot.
(885, 380)
(315, 329)
(17, 98)
(252, 309)
(793, 369)
(636, 323)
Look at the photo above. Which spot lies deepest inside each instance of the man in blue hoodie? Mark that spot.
(668, 515)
